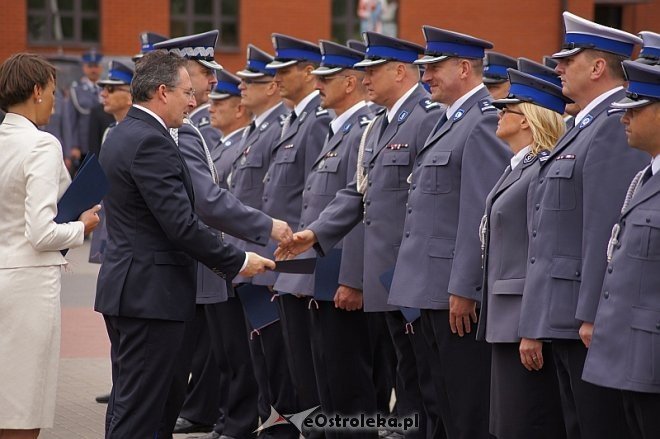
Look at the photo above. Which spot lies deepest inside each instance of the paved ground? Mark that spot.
(85, 364)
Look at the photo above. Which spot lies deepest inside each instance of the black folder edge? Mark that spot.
(296, 266)
(326, 275)
(259, 308)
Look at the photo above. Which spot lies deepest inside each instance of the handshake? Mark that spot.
(290, 244)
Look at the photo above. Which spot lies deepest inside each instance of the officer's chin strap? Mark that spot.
(616, 229)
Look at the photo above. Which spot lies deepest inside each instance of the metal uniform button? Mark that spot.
(577, 274)
(532, 259)
(534, 233)
(409, 210)
(414, 186)
(371, 165)
(368, 202)
(367, 222)
(309, 188)
(407, 234)
(606, 294)
(541, 181)
(610, 269)
(648, 220)
(538, 206)
(657, 325)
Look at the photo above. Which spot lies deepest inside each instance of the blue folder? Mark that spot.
(87, 189)
(326, 276)
(259, 309)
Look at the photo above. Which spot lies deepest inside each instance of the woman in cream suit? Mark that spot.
(32, 178)
(524, 397)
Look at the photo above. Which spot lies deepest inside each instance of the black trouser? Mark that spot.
(143, 354)
(642, 414)
(590, 411)
(384, 361)
(463, 369)
(342, 364)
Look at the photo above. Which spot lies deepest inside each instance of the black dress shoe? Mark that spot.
(103, 399)
(211, 435)
(185, 426)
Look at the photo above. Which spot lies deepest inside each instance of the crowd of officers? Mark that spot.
(536, 319)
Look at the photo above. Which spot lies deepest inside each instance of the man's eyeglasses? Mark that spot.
(249, 81)
(505, 110)
(110, 88)
(190, 92)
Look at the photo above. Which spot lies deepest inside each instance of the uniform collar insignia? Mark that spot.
(586, 121)
(529, 158)
(347, 127)
(302, 116)
(263, 126)
(402, 116)
(459, 114)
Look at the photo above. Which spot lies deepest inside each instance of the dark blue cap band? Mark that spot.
(650, 52)
(454, 49)
(574, 40)
(391, 53)
(227, 87)
(496, 70)
(644, 89)
(259, 66)
(298, 55)
(120, 75)
(345, 62)
(536, 96)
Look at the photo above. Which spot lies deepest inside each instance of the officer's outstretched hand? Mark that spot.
(303, 240)
(256, 264)
(281, 231)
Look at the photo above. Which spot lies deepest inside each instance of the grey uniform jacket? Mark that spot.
(505, 253)
(223, 154)
(389, 161)
(625, 348)
(332, 171)
(575, 200)
(83, 96)
(291, 162)
(249, 166)
(452, 176)
(219, 209)
(201, 118)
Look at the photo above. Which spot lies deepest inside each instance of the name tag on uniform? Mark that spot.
(566, 157)
(396, 146)
(288, 146)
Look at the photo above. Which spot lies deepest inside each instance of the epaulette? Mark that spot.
(203, 122)
(616, 111)
(320, 111)
(427, 104)
(486, 105)
(543, 155)
(364, 121)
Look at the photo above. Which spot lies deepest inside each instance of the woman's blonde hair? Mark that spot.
(547, 126)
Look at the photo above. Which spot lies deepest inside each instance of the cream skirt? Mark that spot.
(29, 346)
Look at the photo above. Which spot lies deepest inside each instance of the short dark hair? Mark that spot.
(154, 69)
(612, 60)
(18, 76)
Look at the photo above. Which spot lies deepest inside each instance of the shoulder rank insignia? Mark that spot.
(486, 105)
(263, 126)
(615, 111)
(302, 116)
(402, 116)
(459, 114)
(566, 157)
(320, 111)
(347, 127)
(427, 104)
(282, 119)
(585, 121)
(364, 121)
(543, 156)
(203, 122)
(529, 158)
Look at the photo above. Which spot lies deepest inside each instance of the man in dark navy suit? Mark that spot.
(146, 286)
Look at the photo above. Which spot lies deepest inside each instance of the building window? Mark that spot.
(352, 17)
(196, 16)
(609, 15)
(345, 22)
(63, 22)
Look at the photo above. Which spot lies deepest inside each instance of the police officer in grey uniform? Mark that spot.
(218, 208)
(495, 73)
(229, 117)
(293, 156)
(83, 95)
(524, 402)
(650, 53)
(539, 71)
(625, 349)
(147, 41)
(260, 95)
(572, 209)
(439, 265)
(377, 196)
(339, 331)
